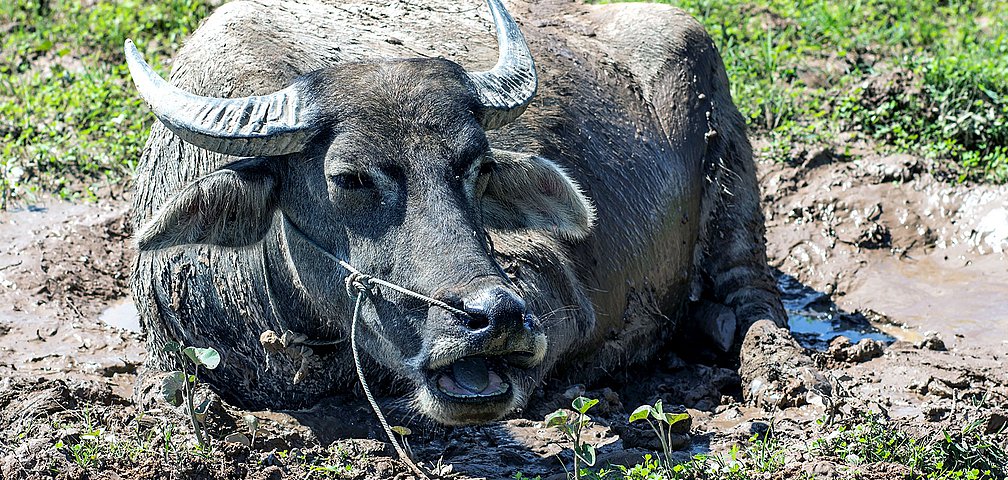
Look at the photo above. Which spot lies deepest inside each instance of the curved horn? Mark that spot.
(267, 125)
(507, 89)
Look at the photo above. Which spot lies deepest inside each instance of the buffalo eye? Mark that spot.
(486, 168)
(483, 177)
(352, 181)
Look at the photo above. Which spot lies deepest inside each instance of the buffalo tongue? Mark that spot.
(471, 374)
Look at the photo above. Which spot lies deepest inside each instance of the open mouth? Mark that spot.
(473, 379)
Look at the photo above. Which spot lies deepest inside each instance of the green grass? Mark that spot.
(815, 71)
(93, 441)
(70, 121)
(852, 448)
(810, 72)
(963, 454)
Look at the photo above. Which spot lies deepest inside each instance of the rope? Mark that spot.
(357, 280)
(367, 390)
(360, 285)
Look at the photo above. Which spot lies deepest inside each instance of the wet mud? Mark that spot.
(894, 282)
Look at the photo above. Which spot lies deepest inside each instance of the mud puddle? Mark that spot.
(815, 320)
(122, 315)
(963, 299)
(61, 263)
(884, 238)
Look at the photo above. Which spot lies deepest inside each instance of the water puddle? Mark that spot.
(123, 315)
(815, 320)
(962, 298)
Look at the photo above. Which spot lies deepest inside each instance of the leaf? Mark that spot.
(556, 419)
(171, 346)
(582, 404)
(640, 413)
(401, 430)
(656, 411)
(252, 422)
(171, 388)
(204, 406)
(586, 453)
(674, 418)
(239, 438)
(206, 357)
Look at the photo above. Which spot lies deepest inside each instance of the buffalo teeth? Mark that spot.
(500, 389)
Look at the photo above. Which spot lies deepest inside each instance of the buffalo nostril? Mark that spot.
(475, 321)
(496, 307)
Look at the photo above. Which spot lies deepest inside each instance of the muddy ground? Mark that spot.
(914, 265)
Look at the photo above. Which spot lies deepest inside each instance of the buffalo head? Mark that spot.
(386, 164)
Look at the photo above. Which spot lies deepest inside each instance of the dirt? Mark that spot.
(909, 268)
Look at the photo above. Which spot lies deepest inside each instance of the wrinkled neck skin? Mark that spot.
(319, 306)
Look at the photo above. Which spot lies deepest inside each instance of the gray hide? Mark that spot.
(633, 103)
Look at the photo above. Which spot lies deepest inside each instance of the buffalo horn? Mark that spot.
(507, 89)
(276, 124)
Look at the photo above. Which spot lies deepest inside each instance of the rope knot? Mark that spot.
(357, 282)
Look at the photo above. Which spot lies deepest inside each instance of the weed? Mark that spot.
(180, 385)
(572, 426)
(873, 439)
(404, 433)
(337, 464)
(662, 424)
(252, 425)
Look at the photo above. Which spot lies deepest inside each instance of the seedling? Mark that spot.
(180, 385)
(572, 426)
(252, 423)
(403, 433)
(661, 423)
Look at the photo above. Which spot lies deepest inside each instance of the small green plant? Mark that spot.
(661, 422)
(252, 424)
(572, 427)
(874, 439)
(404, 433)
(180, 385)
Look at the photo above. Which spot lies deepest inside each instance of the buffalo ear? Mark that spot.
(531, 192)
(231, 207)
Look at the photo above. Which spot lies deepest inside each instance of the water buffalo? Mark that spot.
(566, 205)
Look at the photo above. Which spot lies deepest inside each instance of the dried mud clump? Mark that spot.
(775, 370)
(842, 350)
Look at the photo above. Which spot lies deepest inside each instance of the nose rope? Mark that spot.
(360, 286)
(361, 291)
(358, 281)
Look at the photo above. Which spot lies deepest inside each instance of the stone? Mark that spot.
(932, 342)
